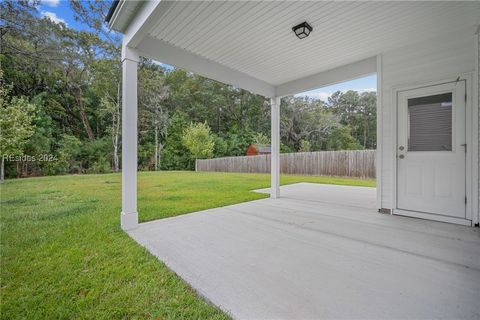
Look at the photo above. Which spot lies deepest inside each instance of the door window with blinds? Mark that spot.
(430, 123)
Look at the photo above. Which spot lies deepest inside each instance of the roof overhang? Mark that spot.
(250, 44)
(121, 14)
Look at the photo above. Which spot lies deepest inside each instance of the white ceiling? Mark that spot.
(256, 38)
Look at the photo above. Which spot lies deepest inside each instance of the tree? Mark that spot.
(16, 116)
(358, 112)
(175, 154)
(341, 139)
(110, 107)
(306, 119)
(153, 93)
(367, 111)
(305, 146)
(69, 149)
(260, 138)
(93, 14)
(221, 147)
(198, 139)
(227, 110)
(105, 67)
(41, 142)
(105, 93)
(39, 56)
(73, 78)
(71, 70)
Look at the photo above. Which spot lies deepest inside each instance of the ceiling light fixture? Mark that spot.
(302, 30)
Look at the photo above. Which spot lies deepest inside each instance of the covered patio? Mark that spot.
(420, 51)
(321, 252)
(312, 251)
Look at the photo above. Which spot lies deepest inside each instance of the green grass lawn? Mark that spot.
(64, 256)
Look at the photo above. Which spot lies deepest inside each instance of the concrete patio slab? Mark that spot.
(364, 197)
(321, 252)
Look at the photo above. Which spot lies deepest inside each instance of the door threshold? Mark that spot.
(434, 217)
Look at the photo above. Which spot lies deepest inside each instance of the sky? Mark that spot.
(363, 84)
(59, 11)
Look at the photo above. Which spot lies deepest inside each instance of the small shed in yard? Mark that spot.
(258, 149)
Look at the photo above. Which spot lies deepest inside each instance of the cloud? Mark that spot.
(53, 17)
(51, 3)
(365, 90)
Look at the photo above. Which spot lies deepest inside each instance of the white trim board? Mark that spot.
(429, 216)
(379, 164)
(475, 130)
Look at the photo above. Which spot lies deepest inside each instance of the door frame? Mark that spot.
(471, 171)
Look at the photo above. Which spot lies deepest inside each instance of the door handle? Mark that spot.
(401, 156)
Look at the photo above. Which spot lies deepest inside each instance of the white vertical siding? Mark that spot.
(438, 59)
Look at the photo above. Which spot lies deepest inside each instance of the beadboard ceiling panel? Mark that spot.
(256, 38)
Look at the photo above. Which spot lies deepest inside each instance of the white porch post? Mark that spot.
(275, 148)
(129, 215)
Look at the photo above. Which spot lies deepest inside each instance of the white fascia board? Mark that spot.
(164, 52)
(112, 24)
(145, 19)
(344, 73)
(123, 15)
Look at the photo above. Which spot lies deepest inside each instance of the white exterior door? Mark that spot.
(431, 150)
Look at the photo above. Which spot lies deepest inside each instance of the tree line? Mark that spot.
(60, 101)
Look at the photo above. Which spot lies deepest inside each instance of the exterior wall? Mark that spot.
(439, 59)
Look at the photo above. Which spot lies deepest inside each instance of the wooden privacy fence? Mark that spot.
(353, 163)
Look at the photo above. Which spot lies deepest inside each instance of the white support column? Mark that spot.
(275, 149)
(129, 215)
